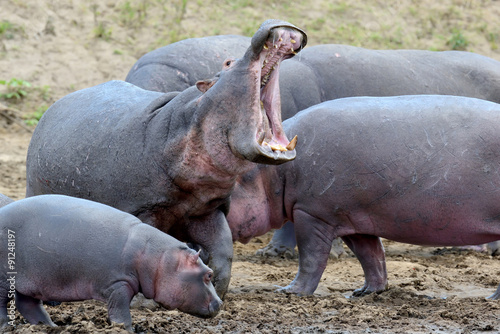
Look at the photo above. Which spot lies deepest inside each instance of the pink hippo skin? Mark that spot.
(417, 169)
(70, 249)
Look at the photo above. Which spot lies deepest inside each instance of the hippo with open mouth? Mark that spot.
(171, 159)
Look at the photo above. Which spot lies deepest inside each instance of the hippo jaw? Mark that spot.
(274, 42)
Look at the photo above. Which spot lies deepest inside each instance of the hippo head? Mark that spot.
(187, 286)
(246, 96)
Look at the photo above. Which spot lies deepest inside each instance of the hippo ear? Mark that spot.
(194, 257)
(188, 260)
(204, 85)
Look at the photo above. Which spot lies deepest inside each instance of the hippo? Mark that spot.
(70, 249)
(333, 71)
(419, 169)
(178, 66)
(171, 159)
(4, 200)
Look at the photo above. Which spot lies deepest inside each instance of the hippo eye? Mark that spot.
(228, 63)
(208, 277)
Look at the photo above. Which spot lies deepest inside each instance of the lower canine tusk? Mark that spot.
(291, 145)
(261, 138)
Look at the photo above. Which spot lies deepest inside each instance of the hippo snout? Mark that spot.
(214, 307)
(211, 310)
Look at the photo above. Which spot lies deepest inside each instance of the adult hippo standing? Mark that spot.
(416, 169)
(171, 159)
(327, 72)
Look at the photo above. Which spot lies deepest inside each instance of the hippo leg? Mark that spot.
(119, 305)
(370, 253)
(282, 244)
(314, 240)
(32, 310)
(496, 295)
(213, 235)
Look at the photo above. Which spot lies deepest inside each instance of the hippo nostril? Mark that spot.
(214, 306)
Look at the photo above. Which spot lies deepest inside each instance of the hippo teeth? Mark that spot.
(281, 148)
(275, 147)
(272, 58)
(292, 144)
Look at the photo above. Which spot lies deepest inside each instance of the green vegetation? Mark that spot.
(100, 31)
(15, 89)
(5, 26)
(457, 41)
(132, 14)
(8, 30)
(33, 118)
(494, 39)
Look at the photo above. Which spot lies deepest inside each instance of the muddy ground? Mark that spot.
(60, 46)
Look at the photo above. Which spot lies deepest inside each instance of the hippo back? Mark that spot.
(178, 66)
(332, 71)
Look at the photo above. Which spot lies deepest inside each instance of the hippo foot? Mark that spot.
(139, 301)
(492, 248)
(275, 251)
(292, 290)
(496, 295)
(364, 291)
(361, 292)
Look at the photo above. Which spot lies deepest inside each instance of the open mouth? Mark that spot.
(283, 43)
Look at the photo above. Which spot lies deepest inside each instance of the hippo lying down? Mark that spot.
(418, 169)
(73, 249)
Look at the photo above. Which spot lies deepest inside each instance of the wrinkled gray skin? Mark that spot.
(170, 159)
(180, 65)
(414, 169)
(326, 72)
(4, 200)
(70, 249)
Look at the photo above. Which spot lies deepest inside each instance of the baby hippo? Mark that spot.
(62, 248)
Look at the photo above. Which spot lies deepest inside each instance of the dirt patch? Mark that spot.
(61, 46)
(428, 293)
